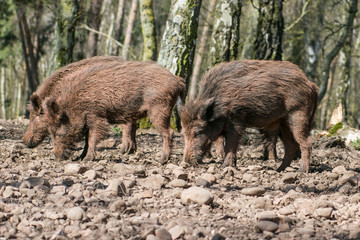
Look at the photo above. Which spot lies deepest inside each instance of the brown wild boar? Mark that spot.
(117, 93)
(269, 95)
(37, 128)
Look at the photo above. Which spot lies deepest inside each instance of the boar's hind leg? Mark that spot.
(270, 139)
(128, 142)
(161, 121)
(232, 137)
(86, 146)
(290, 145)
(301, 127)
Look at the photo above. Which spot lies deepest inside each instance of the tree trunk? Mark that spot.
(324, 77)
(178, 43)
(342, 89)
(94, 23)
(179, 40)
(119, 24)
(225, 34)
(67, 17)
(129, 29)
(148, 30)
(201, 50)
(28, 50)
(2, 93)
(268, 43)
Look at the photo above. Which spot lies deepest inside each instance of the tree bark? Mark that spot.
(148, 30)
(225, 34)
(201, 50)
(94, 23)
(178, 42)
(268, 43)
(129, 29)
(324, 77)
(2, 93)
(67, 17)
(28, 50)
(119, 24)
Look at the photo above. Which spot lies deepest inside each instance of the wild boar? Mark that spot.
(270, 95)
(117, 93)
(37, 128)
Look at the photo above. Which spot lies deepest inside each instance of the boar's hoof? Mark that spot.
(127, 149)
(303, 169)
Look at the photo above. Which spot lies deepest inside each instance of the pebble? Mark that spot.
(268, 216)
(163, 234)
(339, 170)
(324, 212)
(177, 231)
(76, 213)
(202, 182)
(154, 181)
(180, 183)
(289, 177)
(73, 169)
(253, 191)
(269, 226)
(287, 210)
(91, 174)
(198, 195)
(209, 177)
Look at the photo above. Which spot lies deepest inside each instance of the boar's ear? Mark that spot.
(207, 111)
(36, 103)
(52, 107)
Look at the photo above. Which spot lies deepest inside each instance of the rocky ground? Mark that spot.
(133, 197)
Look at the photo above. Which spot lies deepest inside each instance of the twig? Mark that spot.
(101, 33)
(304, 11)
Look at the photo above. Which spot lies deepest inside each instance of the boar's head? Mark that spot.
(201, 124)
(37, 128)
(63, 132)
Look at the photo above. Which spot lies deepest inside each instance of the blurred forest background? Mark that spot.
(186, 36)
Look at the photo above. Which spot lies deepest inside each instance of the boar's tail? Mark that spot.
(178, 110)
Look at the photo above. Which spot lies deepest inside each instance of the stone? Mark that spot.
(118, 206)
(289, 177)
(324, 212)
(180, 183)
(180, 174)
(339, 170)
(268, 216)
(287, 210)
(177, 231)
(91, 174)
(154, 181)
(209, 177)
(76, 213)
(198, 195)
(202, 182)
(253, 191)
(163, 234)
(269, 226)
(8, 193)
(73, 169)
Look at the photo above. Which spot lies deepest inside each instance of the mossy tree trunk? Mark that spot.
(179, 40)
(148, 30)
(225, 33)
(118, 24)
(268, 43)
(67, 17)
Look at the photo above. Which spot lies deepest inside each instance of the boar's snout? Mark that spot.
(61, 153)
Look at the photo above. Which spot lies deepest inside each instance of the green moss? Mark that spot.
(335, 128)
(356, 144)
(116, 130)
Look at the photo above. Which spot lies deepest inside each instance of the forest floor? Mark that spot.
(134, 197)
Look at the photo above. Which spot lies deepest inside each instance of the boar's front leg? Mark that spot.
(232, 137)
(98, 129)
(160, 117)
(86, 146)
(128, 141)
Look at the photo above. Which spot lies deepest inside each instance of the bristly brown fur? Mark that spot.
(116, 92)
(270, 95)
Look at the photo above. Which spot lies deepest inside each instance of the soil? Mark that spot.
(134, 197)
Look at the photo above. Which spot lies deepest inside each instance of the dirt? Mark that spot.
(134, 197)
